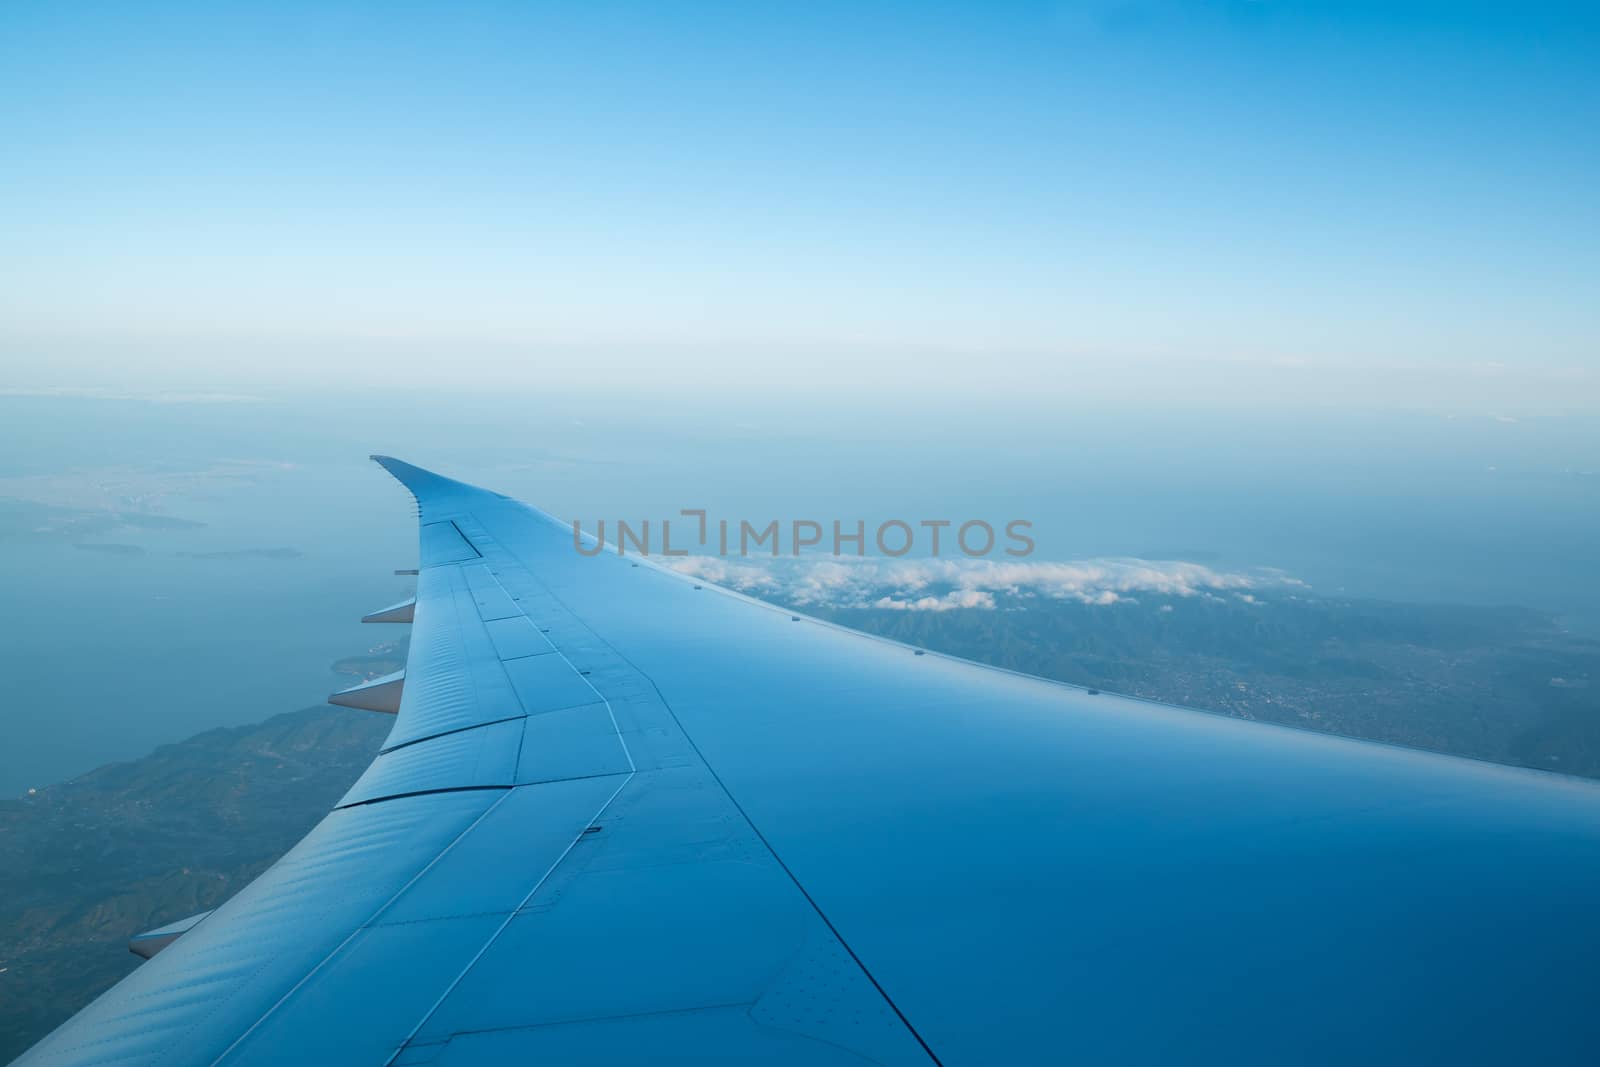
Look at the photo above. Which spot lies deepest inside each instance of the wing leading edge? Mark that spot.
(537, 840)
(624, 818)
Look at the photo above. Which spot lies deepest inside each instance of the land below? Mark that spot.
(89, 862)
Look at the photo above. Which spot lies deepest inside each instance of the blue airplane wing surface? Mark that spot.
(627, 817)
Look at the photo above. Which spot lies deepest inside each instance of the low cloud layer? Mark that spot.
(948, 584)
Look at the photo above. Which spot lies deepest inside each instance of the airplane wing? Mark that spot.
(626, 817)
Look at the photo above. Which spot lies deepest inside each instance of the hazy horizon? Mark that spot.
(1126, 202)
(1301, 286)
(194, 626)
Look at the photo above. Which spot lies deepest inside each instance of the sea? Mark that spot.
(257, 531)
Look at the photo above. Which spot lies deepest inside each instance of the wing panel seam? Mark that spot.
(473, 962)
(726, 793)
(356, 932)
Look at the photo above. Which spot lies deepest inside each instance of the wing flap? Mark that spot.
(482, 757)
(454, 677)
(198, 996)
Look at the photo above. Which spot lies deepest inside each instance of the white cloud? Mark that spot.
(948, 584)
(956, 598)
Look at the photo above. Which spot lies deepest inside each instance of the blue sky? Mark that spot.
(1369, 204)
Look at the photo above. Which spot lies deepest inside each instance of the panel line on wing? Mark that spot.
(787, 871)
(529, 675)
(603, 650)
(454, 674)
(451, 988)
(423, 793)
(355, 932)
(402, 746)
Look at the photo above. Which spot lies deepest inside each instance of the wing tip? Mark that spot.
(420, 480)
(421, 483)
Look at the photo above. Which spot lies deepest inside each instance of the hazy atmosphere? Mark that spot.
(184, 561)
(1300, 287)
(1276, 324)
